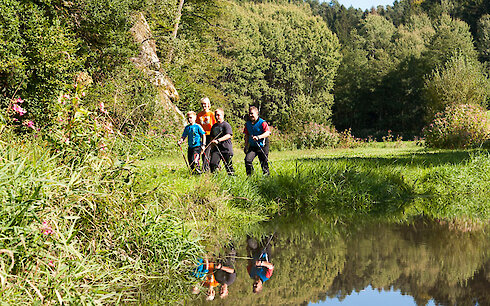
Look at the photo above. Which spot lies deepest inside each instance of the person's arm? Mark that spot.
(182, 138)
(203, 137)
(226, 269)
(221, 139)
(265, 264)
(267, 132)
(245, 131)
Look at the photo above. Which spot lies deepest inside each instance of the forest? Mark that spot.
(388, 69)
(377, 114)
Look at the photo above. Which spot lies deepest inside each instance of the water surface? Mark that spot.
(424, 263)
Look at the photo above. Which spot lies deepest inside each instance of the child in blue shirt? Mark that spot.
(196, 138)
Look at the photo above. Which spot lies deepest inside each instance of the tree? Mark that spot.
(451, 35)
(483, 38)
(285, 62)
(460, 81)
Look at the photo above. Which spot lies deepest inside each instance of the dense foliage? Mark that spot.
(458, 126)
(285, 64)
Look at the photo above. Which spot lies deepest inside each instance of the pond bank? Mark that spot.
(382, 182)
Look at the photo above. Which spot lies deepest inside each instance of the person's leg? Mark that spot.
(229, 164)
(214, 162)
(230, 259)
(249, 158)
(190, 156)
(206, 156)
(263, 155)
(193, 155)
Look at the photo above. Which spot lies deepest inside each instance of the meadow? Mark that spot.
(102, 229)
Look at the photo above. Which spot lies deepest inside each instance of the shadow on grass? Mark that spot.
(415, 159)
(355, 186)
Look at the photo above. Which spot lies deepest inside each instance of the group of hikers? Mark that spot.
(209, 138)
(222, 272)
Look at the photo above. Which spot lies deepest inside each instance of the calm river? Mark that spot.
(424, 263)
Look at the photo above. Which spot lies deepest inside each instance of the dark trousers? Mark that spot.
(216, 157)
(262, 153)
(193, 155)
(255, 248)
(206, 156)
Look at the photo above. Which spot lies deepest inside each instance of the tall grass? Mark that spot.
(384, 182)
(80, 234)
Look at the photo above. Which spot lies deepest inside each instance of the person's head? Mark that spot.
(195, 289)
(191, 117)
(210, 294)
(253, 113)
(219, 114)
(257, 286)
(223, 293)
(205, 103)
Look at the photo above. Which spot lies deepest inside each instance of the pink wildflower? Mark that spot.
(19, 100)
(46, 229)
(51, 264)
(30, 124)
(16, 108)
(15, 119)
(102, 108)
(66, 96)
(83, 93)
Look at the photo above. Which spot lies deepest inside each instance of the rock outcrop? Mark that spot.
(149, 62)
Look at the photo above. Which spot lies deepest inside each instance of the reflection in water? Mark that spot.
(314, 262)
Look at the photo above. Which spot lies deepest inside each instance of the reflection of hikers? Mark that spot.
(221, 148)
(259, 268)
(205, 269)
(195, 141)
(225, 272)
(256, 131)
(211, 282)
(206, 119)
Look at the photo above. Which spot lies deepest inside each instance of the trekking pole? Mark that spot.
(185, 159)
(268, 242)
(266, 158)
(204, 152)
(224, 161)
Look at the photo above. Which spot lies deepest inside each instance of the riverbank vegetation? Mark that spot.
(96, 203)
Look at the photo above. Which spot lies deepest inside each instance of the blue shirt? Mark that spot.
(261, 272)
(200, 271)
(193, 133)
(259, 128)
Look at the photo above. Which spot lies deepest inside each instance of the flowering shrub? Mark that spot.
(280, 141)
(76, 130)
(347, 140)
(314, 135)
(460, 126)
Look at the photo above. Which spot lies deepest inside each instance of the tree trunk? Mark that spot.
(176, 28)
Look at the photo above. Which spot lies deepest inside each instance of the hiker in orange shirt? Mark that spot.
(211, 282)
(206, 119)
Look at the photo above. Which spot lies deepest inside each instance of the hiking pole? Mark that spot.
(224, 161)
(204, 151)
(185, 159)
(266, 158)
(268, 242)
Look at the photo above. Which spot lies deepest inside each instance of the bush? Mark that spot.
(460, 126)
(314, 135)
(461, 81)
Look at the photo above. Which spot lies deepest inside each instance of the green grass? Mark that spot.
(121, 227)
(386, 180)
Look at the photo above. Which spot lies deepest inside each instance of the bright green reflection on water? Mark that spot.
(314, 261)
